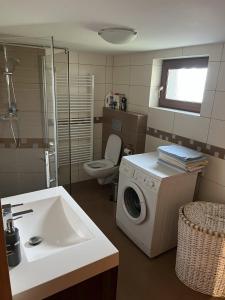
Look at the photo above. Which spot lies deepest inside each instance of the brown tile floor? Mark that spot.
(140, 278)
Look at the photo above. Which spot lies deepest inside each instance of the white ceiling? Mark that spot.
(74, 23)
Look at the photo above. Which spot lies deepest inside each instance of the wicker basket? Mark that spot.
(200, 262)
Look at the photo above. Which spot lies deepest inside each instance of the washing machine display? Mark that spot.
(134, 203)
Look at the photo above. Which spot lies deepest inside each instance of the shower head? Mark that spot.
(9, 62)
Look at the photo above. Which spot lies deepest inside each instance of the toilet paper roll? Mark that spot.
(127, 151)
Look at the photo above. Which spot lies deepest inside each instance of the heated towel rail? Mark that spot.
(79, 126)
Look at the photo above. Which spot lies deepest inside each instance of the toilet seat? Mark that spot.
(100, 164)
(99, 168)
(106, 169)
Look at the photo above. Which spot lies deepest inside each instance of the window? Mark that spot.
(183, 83)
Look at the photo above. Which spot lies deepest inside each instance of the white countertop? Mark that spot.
(48, 275)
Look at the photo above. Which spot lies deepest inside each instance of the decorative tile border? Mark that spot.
(180, 140)
(32, 142)
(23, 143)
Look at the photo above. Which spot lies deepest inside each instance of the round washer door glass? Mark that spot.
(134, 203)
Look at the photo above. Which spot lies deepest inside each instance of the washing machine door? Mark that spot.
(134, 203)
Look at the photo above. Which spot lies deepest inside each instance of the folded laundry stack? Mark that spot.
(182, 157)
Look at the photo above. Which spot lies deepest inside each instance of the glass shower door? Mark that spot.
(34, 138)
(50, 119)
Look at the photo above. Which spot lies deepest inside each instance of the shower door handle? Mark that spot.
(49, 180)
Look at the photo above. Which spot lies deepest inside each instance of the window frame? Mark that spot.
(188, 63)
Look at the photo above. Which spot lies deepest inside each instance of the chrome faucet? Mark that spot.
(7, 214)
(9, 217)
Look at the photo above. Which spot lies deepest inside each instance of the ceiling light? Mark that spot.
(117, 35)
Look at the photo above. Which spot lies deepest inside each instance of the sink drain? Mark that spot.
(35, 240)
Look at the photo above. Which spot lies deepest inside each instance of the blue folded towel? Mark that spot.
(182, 153)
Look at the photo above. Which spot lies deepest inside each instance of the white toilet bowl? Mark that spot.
(105, 170)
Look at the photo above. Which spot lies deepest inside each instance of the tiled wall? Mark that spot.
(138, 76)
(131, 76)
(21, 169)
(99, 65)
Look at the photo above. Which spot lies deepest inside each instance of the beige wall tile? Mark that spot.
(109, 60)
(211, 191)
(60, 57)
(168, 53)
(157, 62)
(64, 175)
(221, 78)
(30, 160)
(141, 58)
(30, 124)
(108, 88)
(207, 104)
(73, 69)
(140, 75)
(152, 143)
(9, 180)
(82, 174)
(215, 170)
(122, 89)
(156, 75)
(191, 126)
(147, 143)
(92, 59)
(214, 51)
(98, 107)
(223, 54)
(139, 95)
(121, 60)
(29, 98)
(137, 108)
(219, 106)
(161, 119)
(97, 146)
(216, 133)
(99, 92)
(97, 131)
(29, 182)
(212, 75)
(121, 75)
(97, 156)
(27, 75)
(74, 173)
(98, 71)
(109, 75)
(154, 96)
(74, 57)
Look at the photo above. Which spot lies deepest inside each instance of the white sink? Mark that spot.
(73, 248)
(56, 222)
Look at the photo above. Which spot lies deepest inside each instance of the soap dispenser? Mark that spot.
(12, 239)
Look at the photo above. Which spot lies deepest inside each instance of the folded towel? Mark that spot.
(180, 152)
(191, 169)
(185, 163)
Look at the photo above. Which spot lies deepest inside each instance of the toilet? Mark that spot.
(105, 170)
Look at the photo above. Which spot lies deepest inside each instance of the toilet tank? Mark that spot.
(129, 126)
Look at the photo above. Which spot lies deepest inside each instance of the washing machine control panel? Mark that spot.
(146, 181)
(140, 177)
(126, 169)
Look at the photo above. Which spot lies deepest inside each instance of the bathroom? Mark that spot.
(59, 74)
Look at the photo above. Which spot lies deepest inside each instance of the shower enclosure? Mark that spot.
(28, 116)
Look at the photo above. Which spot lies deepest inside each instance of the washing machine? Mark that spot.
(150, 194)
